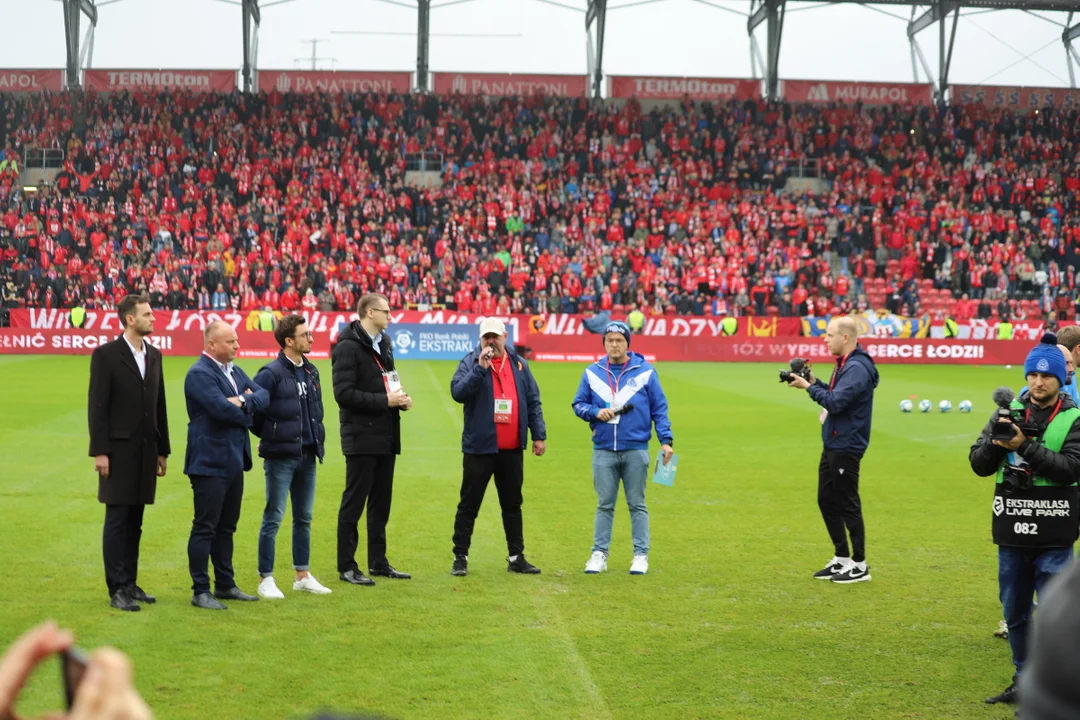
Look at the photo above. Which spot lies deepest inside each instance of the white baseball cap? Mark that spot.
(492, 326)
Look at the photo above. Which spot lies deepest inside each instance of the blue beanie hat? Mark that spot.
(623, 329)
(1046, 358)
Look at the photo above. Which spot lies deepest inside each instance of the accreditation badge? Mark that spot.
(391, 381)
(504, 408)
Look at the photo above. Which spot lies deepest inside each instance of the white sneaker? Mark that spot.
(597, 563)
(268, 589)
(311, 585)
(640, 566)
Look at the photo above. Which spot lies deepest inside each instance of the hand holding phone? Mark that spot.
(73, 662)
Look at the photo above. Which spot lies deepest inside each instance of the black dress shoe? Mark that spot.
(390, 572)
(139, 595)
(521, 565)
(461, 566)
(1008, 696)
(206, 601)
(121, 600)
(356, 578)
(235, 593)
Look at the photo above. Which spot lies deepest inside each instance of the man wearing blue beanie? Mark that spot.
(1035, 456)
(621, 399)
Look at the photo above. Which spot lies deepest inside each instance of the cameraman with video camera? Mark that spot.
(1032, 444)
(848, 404)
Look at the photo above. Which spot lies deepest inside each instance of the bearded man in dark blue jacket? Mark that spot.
(292, 434)
(847, 403)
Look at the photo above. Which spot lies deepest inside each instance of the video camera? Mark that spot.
(799, 368)
(1013, 477)
(1003, 398)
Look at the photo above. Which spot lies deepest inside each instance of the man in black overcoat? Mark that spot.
(129, 441)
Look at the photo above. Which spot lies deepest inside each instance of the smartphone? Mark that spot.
(72, 667)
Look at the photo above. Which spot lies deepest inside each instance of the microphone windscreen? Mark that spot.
(1003, 397)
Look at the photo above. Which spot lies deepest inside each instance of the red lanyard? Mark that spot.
(1057, 408)
(611, 375)
(836, 373)
(497, 374)
(376, 355)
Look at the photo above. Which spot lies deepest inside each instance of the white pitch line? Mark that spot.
(443, 393)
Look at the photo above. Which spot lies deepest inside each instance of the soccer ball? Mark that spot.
(925, 405)
(906, 406)
(944, 406)
(965, 406)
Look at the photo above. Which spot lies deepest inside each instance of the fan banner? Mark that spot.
(1018, 98)
(325, 323)
(871, 323)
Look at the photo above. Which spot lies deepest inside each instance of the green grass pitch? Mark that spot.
(727, 624)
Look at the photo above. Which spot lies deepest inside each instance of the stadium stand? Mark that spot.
(225, 200)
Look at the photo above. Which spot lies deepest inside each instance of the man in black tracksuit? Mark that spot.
(847, 403)
(370, 401)
(1036, 499)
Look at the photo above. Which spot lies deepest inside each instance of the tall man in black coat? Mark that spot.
(129, 441)
(370, 400)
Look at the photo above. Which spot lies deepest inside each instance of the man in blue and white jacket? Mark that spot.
(621, 399)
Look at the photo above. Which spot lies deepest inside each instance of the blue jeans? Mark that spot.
(284, 477)
(632, 466)
(1022, 572)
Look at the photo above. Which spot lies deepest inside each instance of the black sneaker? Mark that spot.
(521, 565)
(831, 570)
(461, 566)
(1008, 696)
(852, 575)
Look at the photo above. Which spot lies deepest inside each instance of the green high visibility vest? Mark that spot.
(1005, 331)
(266, 321)
(729, 326)
(78, 316)
(952, 329)
(636, 320)
(1053, 438)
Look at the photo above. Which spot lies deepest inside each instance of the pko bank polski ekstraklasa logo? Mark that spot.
(404, 342)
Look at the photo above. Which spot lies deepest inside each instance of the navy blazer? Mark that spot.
(218, 444)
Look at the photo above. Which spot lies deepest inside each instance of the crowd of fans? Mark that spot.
(212, 201)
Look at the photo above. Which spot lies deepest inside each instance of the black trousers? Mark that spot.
(369, 480)
(217, 510)
(120, 545)
(508, 468)
(838, 498)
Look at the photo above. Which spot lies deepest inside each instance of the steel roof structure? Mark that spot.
(768, 12)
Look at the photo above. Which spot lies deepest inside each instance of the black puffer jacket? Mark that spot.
(1058, 467)
(368, 425)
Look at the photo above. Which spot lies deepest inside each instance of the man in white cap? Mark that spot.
(502, 406)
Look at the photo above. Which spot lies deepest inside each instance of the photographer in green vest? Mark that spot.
(1032, 446)
(78, 316)
(1005, 329)
(267, 322)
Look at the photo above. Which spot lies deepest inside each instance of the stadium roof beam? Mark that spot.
(770, 12)
(252, 18)
(1070, 33)
(73, 12)
(423, 43)
(596, 15)
(937, 13)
